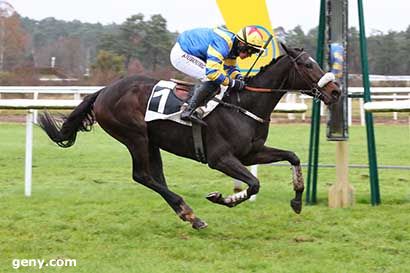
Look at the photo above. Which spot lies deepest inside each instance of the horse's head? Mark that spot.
(306, 74)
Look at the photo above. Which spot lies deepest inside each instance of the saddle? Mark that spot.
(182, 89)
(167, 98)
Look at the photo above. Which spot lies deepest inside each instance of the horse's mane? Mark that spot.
(142, 79)
(274, 60)
(263, 68)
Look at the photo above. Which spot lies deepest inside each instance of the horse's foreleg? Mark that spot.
(269, 155)
(231, 166)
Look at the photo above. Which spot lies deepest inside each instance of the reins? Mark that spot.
(242, 110)
(260, 89)
(314, 91)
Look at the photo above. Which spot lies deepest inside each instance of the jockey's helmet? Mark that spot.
(252, 37)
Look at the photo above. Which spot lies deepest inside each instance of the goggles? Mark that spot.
(250, 50)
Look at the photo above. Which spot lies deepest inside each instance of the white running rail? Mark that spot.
(30, 104)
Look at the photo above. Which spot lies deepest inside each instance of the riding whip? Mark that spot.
(259, 55)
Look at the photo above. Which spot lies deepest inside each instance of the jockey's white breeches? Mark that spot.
(187, 63)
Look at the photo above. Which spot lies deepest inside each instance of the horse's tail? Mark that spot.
(63, 131)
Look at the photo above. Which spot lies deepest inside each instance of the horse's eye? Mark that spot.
(309, 65)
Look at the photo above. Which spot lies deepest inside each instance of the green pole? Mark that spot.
(315, 121)
(371, 144)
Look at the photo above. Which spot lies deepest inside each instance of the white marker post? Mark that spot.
(29, 153)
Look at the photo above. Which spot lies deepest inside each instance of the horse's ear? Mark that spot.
(285, 48)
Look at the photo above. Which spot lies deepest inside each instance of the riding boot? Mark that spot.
(201, 95)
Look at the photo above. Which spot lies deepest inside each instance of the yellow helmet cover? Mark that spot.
(251, 36)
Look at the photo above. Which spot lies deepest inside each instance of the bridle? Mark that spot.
(314, 91)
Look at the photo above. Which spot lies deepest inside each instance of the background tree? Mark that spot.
(353, 60)
(158, 43)
(297, 38)
(80, 39)
(15, 44)
(384, 53)
(68, 53)
(147, 41)
(108, 66)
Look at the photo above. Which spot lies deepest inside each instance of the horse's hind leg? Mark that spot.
(298, 187)
(141, 174)
(147, 164)
(270, 155)
(155, 165)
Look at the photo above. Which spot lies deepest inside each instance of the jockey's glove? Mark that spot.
(237, 84)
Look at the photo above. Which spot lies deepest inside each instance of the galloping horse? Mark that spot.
(232, 139)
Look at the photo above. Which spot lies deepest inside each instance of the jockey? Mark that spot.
(210, 56)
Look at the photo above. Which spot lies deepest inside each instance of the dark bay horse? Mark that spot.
(232, 139)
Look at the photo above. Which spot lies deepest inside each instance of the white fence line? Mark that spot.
(38, 104)
(50, 89)
(30, 104)
(35, 91)
(387, 106)
(378, 93)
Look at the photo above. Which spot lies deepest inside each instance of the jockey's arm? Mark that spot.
(214, 68)
(231, 69)
(219, 68)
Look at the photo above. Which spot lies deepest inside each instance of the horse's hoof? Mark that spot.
(296, 205)
(199, 224)
(214, 197)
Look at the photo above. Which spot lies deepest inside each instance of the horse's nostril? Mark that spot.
(335, 94)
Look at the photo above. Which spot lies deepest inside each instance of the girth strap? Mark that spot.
(198, 142)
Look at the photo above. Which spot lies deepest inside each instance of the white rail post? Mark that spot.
(254, 171)
(35, 113)
(349, 112)
(77, 96)
(322, 109)
(29, 153)
(361, 111)
(290, 97)
(302, 100)
(394, 113)
(237, 184)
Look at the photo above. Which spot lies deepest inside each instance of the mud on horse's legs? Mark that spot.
(186, 214)
(298, 186)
